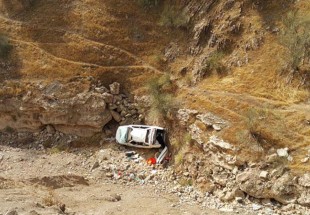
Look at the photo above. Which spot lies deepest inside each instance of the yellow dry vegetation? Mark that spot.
(258, 92)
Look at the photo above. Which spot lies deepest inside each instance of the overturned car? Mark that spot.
(143, 136)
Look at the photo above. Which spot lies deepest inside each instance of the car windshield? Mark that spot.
(122, 134)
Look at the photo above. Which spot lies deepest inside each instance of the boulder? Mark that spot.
(236, 193)
(282, 152)
(305, 160)
(304, 198)
(184, 115)
(50, 129)
(113, 198)
(256, 207)
(101, 89)
(284, 189)
(108, 98)
(216, 127)
(210, 119)
(304, 180)
(263, 174)
(114, 88)
(281, 189)
(116, 116)
(220, 143)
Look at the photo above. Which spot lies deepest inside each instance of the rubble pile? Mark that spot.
(216, 181)
(218, 169)
(193, 182)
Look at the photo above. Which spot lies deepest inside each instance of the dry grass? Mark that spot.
(50, 199)
(12, 89)
(52, 53)
(260, 77)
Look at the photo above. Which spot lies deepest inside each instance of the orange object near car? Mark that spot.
(151, 161)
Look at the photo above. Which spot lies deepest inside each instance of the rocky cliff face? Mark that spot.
(77, 107)
(221, 168)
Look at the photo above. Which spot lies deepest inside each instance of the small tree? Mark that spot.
(148, 3)
(296, 37)
(162, 101)
(173, 17)
(5, 47)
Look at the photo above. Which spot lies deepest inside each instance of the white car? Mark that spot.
(141, 136)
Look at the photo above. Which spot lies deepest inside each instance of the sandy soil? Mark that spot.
(40, 182)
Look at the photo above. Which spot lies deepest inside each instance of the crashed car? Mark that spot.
(143, 136)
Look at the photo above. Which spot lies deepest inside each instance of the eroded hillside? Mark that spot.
(230, 79)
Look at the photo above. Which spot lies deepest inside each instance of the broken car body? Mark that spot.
(143, 136)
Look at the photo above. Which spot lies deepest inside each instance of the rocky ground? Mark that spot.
(36, 179)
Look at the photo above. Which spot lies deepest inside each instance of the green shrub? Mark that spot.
(296, 37)
(148, 3)
(5, 47)
(214, 63)
(162, 101)
(173, 17)
(55, 147)
(9, 129)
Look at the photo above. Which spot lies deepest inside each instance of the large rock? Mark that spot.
(282, 189)
(50, 129)
(282, 152)
(116, 116)
(304, 180)
(114, 88)
(68, 107)
(184, 115)
(220, 143)
(108, 98)
(211, 120)
(304, 198)
(233, 194)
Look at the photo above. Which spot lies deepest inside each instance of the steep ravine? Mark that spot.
(238, 117)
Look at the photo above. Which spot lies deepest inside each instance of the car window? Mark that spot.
(147, 135)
